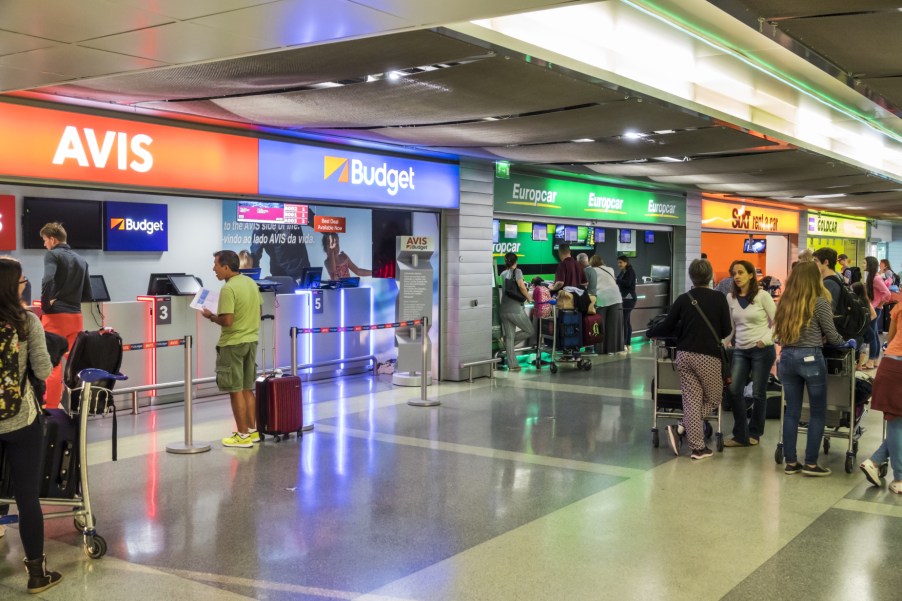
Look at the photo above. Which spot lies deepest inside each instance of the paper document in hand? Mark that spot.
(205, 299)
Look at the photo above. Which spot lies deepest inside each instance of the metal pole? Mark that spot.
(293, 334)
(135, 402)
(424, 371)
(189, 446)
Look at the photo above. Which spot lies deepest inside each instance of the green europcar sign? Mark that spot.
(555, 198)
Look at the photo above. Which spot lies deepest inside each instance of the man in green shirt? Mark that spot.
(236, 370)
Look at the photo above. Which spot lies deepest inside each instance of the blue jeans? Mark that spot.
(874, 349)
(758, 362)
(891, 448)
(801, 367)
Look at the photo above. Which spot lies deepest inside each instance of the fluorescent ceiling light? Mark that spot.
(582, 140)
(826, 196)
(631, 135)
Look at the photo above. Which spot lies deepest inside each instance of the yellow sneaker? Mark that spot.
(237, 440)
(255, 436)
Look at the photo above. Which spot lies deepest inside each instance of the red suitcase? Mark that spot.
(279, 401)
(279, 406)
(593, 332)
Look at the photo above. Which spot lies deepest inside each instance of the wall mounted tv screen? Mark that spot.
(754, 246)
(539, 232)
(82, 220)
(576, 236)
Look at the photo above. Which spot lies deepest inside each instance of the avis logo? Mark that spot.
(355, 172)
(130, 225)
(88, 150)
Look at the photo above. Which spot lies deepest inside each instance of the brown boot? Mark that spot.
(39, 579)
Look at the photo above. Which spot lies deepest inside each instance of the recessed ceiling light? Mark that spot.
(631, 135)
(394, 75)
(825, 196)
(582, 140)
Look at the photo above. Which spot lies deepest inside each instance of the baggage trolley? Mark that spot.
(95, 546)
(667, 396)
(548, 330)
(840, 421)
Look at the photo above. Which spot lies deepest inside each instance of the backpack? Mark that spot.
(541, 299)
(852, 313)
(10, 385)
(855, 275)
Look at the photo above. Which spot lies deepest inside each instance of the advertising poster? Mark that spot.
(337, 239)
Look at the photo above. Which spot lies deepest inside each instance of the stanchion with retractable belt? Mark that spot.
(424, 400)
(188, 447)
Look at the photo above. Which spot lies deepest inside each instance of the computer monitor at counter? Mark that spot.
(660, 272)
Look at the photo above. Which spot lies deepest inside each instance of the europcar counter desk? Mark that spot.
(159, 318)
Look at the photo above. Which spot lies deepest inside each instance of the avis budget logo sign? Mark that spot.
(372, 173)
(137, 227)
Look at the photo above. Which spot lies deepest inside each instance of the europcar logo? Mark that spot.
(130, 225)
(356, 172)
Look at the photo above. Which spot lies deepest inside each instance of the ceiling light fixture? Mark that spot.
(582, 140)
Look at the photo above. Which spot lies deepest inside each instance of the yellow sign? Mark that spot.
(748, 218)
(827, 225)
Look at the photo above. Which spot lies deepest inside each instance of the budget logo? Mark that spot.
(358, 173)
(333, 164)
(133, 225)
(117, 224)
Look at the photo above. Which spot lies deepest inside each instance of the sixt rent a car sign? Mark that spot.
(136, 227)
(339, 175)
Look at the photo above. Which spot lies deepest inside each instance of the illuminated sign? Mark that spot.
(748, 218)
(273, 212)
(312, 172)
(57, 145)
(7, 222)
(137, 227)
(563, 198)
(839, 227)
(327, 224)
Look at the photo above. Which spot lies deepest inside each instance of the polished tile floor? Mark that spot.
(531, 486)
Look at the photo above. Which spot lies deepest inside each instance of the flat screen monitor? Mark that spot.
(251, 272)
(649, 237)
(599, 235)
(539, 232)
(311, 277)
(185, 285)
(754, 245)
(660, 272)
(99, 292)
(82, 220)
(626, 236)
(273, 212)
(159, 284)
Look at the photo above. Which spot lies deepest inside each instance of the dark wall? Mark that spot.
(660, 252)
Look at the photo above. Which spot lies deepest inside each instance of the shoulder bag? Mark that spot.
(726, 355)
(512, 289)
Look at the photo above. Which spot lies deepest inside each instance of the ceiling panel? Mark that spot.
(888, 87)
(14, 42)
(710, 140)
(179, 43)
(460, 10)
(277, 70)
(840, 183)
(75, 61)
(180, 9)
(876, 46)
(66, 21)
(780, 9)
(761, 176)
(464, 92)
(296, 22)
(752, 162)
(601, 121)
(17, 79)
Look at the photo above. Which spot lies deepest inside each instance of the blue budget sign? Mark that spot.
(313, 172)
(134, 226)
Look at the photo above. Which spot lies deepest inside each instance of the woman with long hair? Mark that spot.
(752, 312)
(626, 281)
(887, 272)
(21, 435)
(804, 317)
(513, 317)
(879, 294)
(698, 357)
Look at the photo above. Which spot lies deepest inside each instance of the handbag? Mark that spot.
(512, 289)
(726, 355)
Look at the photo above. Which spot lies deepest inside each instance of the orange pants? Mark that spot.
(67, 325)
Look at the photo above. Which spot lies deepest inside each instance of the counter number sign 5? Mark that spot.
(317, 301)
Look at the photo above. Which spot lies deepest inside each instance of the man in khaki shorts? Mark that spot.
(239, 316)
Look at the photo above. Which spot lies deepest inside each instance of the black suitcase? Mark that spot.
(570, 329)
(60, 474)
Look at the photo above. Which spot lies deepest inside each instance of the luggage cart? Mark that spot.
(548, 330)
(667, 395)
(840, 419)
(95, 546)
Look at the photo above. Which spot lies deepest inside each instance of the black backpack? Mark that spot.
(852, 313)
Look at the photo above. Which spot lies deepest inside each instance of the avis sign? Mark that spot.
(416, 243)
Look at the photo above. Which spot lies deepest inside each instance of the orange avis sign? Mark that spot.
(58, 145)
(751, 218)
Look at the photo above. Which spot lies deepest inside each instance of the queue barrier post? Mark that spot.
(188, 447)
(424, 370)
(293, 335)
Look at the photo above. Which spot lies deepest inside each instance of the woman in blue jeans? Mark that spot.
(879, 294)
(752, 312)
(804, 318)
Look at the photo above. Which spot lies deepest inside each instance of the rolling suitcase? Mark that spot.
(593, 332)
(569, 329)
(279, 401)
(60, 470)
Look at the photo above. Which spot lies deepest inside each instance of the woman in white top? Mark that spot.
(752, 312)
(609, 305)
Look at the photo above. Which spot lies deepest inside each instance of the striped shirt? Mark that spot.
(821, 324)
